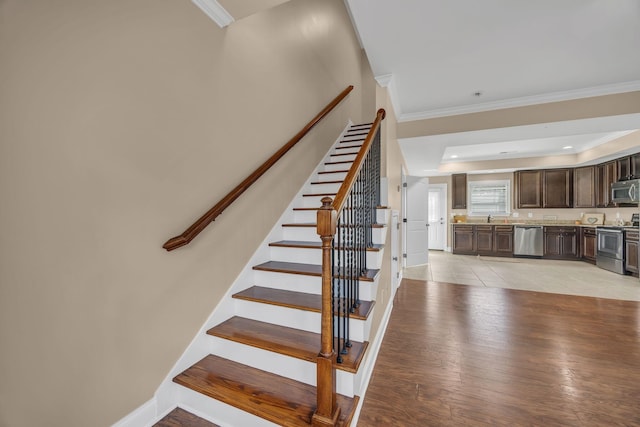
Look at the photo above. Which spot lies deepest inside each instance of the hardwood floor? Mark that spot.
(457, 355)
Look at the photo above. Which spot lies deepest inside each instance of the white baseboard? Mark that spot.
(144, 415)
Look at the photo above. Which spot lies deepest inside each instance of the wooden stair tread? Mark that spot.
(318, 194)
(327, 182)
(313, 224)
(311, 245)
(283, 340)
(344, 154)
(350, 147)
(297, 300)
(339, 163)
(280, 400)
(327, 172)
(305, 269)
(181, 418)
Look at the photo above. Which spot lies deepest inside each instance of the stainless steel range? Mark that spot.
(610, 248)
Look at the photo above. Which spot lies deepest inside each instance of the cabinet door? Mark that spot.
(569, 244)
(464, 241)
(610, 176)
(605, 175)
(459, 191)
(557, 189)
(631, 252)
(589, 246)
(484, 239)
(503, 240)
(635, 165)
(552, 244)
(528, 189)
(584, 187)
(623, 168)
(631, 259)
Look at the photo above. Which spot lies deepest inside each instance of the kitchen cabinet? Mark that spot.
(557, 188)
(459, 191)
(623, 168)
(560, 242)
(503, 240)
(464, 239)
(588, 244)
(635, 164)
(584, 187)
(528, 189)
(606, 174)
(484, 239)
(631, 251)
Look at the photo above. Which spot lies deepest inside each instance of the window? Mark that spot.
(489, 197)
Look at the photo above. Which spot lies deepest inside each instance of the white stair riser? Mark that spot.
(322, 188)
(343, 156)
(307, 284)
(334, 176)
(309, 234)
(336, 167)
(313, 201)
(306, 216)
(314, 256)
(286, 366)
(218, 412)
(302, 283)
(297, 319)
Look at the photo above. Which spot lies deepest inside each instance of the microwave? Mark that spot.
(626, 191)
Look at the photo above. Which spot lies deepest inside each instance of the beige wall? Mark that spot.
(585, 108)
(121, 122)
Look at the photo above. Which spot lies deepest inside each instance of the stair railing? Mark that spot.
(190, 233)
(345, 226)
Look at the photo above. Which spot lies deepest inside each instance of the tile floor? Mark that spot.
(562, 277)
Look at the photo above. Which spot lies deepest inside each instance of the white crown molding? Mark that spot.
(631, 86)
(387, 81)
(215, 11)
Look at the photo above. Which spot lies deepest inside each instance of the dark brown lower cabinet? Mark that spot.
(503, 240)
(464, 240)
(561, 242)
(631, 252)
(490, 240)
(588, 247)
(484, 236)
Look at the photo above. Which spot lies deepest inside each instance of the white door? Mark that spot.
(416, 216)
(437, 216)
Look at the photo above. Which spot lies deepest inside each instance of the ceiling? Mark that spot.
(441, 58)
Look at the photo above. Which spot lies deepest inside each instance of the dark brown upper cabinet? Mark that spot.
(557, 188)
(606, 174)
(528, 189)
(584, 187)
(459, 191)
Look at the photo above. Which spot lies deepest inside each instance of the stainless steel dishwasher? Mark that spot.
(528, 240)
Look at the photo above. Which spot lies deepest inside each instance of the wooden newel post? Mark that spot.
(327, 412)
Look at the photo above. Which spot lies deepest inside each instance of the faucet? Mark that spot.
(489, 219)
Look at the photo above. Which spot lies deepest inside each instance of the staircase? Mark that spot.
(254, 361)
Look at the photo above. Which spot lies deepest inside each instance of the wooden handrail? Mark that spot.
(350, 179)
(195, 229)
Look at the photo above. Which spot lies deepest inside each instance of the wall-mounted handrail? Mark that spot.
(190, 233)
(344, 226)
